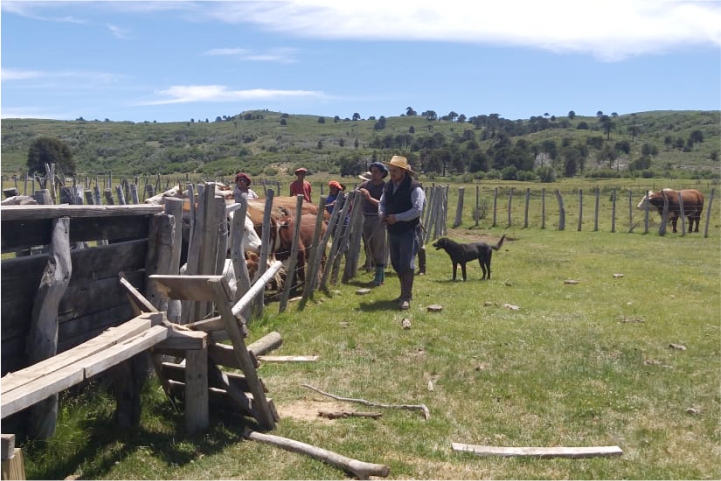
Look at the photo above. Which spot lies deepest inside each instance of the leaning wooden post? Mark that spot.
(708, 214)
(264, 251)
(174, 207)
(495, 204)
(543, 208)
(525, 212)
(595, 217)
(613, 210)
(580, 209)
(561, 211)
(121, 195)
(43, 197)
(108, 193)
(354, 241)
(134, 194)
(42, 340)
(646, 205)
(316, 254)
(459, 207)
(237, 254)
(683, 214)
(293, 261)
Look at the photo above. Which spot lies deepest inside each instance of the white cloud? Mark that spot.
(87, 76)
(608, 29)
(118, 32)
(28, 9)
(179, 94)
(280, 55)
(32, 113)
(19, 74)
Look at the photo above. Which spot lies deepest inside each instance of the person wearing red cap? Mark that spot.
(334, 188)
(242, 187)
(300, 186)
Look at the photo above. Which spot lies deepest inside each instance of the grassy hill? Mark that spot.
(272, 143)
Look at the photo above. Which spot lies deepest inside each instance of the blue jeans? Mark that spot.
(403, 248)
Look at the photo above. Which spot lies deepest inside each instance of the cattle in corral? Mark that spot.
(692, 205)
(282, 241)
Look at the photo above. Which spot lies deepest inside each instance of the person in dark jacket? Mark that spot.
(400, 209)
(374, 231)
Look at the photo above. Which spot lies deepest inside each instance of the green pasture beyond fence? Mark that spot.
(609, 205)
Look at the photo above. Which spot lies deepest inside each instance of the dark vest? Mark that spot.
(375, 191)
(400, 201)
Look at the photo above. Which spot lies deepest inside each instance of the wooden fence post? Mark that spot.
(354, 240)
(683, 214)
(561, 211)
(293, 260)
(613, 210)
(42, 340)
(543, 208)
(525, 213)
(510, 203)
(630, 210)
(595, 217)
(459, 207)
(708, 213)
(495, 204)
(580, 209)
(477, 215)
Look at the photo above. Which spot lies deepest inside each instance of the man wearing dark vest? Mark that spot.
(400, 208)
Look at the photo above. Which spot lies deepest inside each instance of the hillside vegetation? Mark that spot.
(683, 144)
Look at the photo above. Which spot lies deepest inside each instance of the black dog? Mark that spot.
(462, 253)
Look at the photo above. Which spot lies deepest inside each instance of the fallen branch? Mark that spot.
(359, 469)
(412, 407)
(347, 414)
(536, 452)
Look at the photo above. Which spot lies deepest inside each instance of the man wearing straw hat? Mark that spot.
(400, 209)
(374, 232)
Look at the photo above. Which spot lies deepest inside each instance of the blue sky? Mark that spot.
(173, 61)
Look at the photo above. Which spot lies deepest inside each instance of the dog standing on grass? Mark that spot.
(463, 253)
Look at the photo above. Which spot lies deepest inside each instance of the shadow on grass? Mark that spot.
(109, 445)
(384, 305)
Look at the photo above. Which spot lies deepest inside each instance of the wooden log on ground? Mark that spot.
(359, 469)
(267, 343)
(539, 452)
(348, 414)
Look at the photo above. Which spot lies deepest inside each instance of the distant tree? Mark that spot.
(48, 150)
(356, 144)
(714, 155)
(218, 119)
(546, 114)
(696, 137)
(356, 116)
(320, 144)
(283, 122)
(336, 119)
(623, 146)
(634, 129)
(668, 141)
(381, 124)
(430, 115)
(452, 115)
(599, 114)
(411, 130)
(649, 150)
(321, 120)
(582, 126)
(192, 121)
(341, 142)
(607, 125)
(80, 119)
(571, 114)
(608, 153)
(553, 118)
(410, 112)
(614, 114)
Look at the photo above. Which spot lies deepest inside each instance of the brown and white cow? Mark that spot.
(282, 241)
(692, 205)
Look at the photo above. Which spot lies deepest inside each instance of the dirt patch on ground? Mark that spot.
(307, 409)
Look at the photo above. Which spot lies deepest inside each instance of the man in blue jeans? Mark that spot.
(400, 208)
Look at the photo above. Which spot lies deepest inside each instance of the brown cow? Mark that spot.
(692, 205)
(282, 241)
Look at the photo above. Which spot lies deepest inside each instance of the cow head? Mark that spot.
(655, 199)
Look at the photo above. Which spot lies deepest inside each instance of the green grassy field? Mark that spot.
(586, 364)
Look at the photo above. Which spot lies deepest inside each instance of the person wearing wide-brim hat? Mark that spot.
(300, 186)
(400, 209)
(242, 187)
(374, 233)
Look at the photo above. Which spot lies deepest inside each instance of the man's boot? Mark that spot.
(406, 290)
(422, 261)
(380, 276)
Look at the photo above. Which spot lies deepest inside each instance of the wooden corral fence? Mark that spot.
(624, 215)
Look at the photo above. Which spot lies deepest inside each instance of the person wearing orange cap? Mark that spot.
(242, 188)
(334, 188)
(400, 208)
(300, 186)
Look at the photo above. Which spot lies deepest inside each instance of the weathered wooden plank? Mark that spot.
(100, 343)
(14, 468)
(176, 372)
(82, 299)
(159, 257)
(81, 329)
(15, 212)
(223, 355)
(8, 446)
(540, 452)
(197, 412)
(185, 340)
(27, 232)
(288, 358)
(186, 287)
